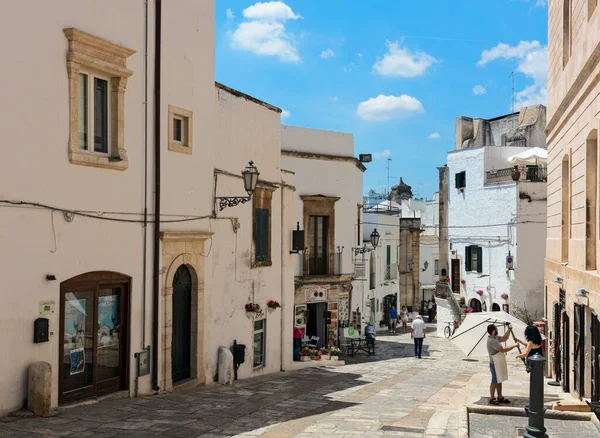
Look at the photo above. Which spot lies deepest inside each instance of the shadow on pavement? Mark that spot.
(214, 410)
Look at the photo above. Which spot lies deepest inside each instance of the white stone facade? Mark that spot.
(83, 219)
(493, 217)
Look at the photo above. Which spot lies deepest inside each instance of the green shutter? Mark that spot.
(463, 180)
(479, 259)
(468, 258)
(457, 180)
(261, 234)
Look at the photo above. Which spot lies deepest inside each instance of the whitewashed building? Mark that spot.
(429, 249)
(497, 214)
(125, 268)
(327, 207)
(381, 287)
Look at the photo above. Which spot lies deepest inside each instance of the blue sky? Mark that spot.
(394, 73)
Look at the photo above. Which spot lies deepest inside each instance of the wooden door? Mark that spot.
(557, 342)
(595, 358)
(455, 276)
(566, 350)
(93, 347)
(182, 325)
(579, 349)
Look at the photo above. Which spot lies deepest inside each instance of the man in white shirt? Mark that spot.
(417, 333)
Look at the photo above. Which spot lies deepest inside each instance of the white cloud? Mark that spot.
(402, 62)
(385, 154)
(270, 11)
(264, 38)
(434, 136)
(532, 60)
(359, 55)
(285, 114)
(541, 3)
(381, 108)
(348, 68)
(265, 32)
(327, 53)
(333, 98)
(230, 15)
(478, 90)
(505, 51)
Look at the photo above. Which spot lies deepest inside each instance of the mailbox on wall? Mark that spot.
(40, 330)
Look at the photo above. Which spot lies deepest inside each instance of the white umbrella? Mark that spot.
(471, 336)
(530, 156)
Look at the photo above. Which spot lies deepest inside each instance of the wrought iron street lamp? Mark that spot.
(250, 176)
(375, 238)
(425, 265)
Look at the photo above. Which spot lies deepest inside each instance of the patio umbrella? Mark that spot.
(471, 336)
(530, 156)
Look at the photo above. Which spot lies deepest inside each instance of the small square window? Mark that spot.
(180, 130)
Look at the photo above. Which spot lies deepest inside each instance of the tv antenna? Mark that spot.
(512, 74)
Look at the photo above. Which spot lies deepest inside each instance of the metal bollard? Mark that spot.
(536, 410)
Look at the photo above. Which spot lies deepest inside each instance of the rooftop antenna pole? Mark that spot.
(388, 184)
(512, 74)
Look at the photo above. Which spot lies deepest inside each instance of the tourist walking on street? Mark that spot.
(404, 318)
(498, 367)
(393, 319)
(417, 333)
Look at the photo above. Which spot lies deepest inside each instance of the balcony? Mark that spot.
(324, 265)
(391, 272)
(528, 173)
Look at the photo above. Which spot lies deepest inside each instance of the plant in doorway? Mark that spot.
(305, 354)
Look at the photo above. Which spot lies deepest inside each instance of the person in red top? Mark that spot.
(297, 343)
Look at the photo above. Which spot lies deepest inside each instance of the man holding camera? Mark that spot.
(498, 367)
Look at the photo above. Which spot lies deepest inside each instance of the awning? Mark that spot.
(530, 156)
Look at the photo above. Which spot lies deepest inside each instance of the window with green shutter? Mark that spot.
(474, 258)
(261, 234)
(460, 180)
(388, 264)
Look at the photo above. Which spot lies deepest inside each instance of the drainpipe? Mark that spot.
(156, 261)
(145, 228)
(283, 278)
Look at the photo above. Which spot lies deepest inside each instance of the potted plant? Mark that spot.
(463, 281)
(305, 354)
(470, 310)
(325, 353)
(334, 353)
(516, 174)
(273, 305)
(504, 296)
(252, 308)
(479, 292)
(315, 354)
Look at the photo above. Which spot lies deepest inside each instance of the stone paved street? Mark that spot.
(390, 394)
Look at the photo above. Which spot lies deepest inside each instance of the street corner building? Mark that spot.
(327, 207)
(492, 212)
(571, 269)
(144, 209)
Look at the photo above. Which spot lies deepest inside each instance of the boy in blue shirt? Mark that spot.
(393, 319)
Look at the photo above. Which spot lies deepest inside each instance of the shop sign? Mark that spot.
(360, 270)
(315, 294)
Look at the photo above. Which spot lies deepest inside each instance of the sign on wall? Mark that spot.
(315, 294)
(360, 270)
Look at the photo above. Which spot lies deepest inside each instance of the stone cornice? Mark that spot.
(324, 157)
(320, 198)
(185, 236)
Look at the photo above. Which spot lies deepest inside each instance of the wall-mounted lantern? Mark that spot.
(250, 176)
(297, 240)
(425, 265)
(375, 238)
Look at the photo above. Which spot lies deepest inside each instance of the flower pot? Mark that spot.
(315, 357)
(326, 357)
(304, 358)
(334, 358)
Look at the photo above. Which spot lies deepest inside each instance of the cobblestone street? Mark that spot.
(390, 394)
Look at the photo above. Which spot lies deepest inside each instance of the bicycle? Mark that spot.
(450, 329)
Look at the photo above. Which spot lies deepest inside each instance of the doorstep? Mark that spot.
(315, 363)
(571, 406)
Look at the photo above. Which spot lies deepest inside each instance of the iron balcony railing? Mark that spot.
(529, 173)
(315, 265)
(391, 272)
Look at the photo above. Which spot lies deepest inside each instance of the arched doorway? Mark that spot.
(475, 304)
(495, 307)
(94, 330)
(182, 325)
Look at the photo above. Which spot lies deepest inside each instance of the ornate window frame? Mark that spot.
(89, 53)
